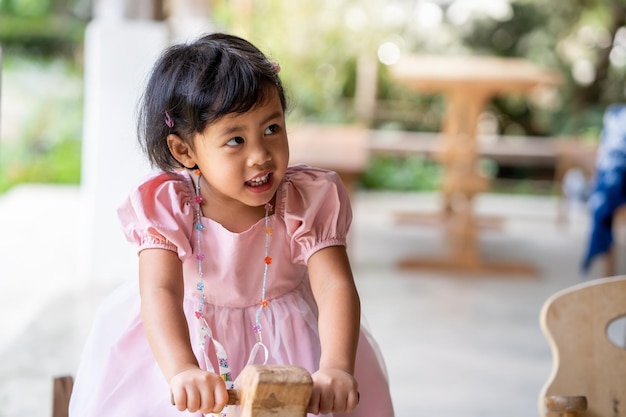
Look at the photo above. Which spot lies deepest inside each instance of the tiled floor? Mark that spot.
(455, 345)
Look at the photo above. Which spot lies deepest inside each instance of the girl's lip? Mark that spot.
(261, 187)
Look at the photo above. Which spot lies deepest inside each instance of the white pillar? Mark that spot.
(118, 56)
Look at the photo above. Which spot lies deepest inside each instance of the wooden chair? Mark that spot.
(61, 392)
(589, 369)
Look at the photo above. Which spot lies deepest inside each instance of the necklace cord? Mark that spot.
(205, 333)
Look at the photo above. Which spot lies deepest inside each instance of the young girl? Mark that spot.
(242, 258)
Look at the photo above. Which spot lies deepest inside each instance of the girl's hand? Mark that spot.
(198, 390)
(334, 391)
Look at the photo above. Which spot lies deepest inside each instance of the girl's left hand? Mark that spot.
(334, 391)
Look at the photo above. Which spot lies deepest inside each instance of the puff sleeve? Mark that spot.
(317, 211)
(159, 214)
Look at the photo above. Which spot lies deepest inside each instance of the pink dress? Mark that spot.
(119, 377)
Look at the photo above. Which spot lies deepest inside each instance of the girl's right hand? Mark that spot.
(197, 390)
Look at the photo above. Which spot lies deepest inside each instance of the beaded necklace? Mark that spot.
(205, 332)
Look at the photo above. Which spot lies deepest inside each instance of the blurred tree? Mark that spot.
(579, 37)
(42, 27)
(602, 87)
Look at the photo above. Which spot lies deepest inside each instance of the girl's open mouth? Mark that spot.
(255, 182)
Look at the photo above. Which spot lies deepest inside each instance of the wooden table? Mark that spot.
(468, 83)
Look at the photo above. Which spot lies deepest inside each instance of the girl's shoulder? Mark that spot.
(179, 181)
(158, 213)
(307, 189)
(305, 183)
(304, 176)
(164, 190)
(316, 210)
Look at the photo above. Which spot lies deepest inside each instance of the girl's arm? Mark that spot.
(334, 386)
(161, 289)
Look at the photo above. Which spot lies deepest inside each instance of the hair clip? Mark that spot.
(168, 120)
(276, 66)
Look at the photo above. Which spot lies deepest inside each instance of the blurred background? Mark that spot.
(319, 45)
(456, 344)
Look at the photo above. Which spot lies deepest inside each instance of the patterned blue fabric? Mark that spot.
(610, 182)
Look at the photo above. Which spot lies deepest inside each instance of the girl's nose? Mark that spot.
(259, 155)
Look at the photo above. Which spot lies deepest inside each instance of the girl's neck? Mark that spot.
(236, 220)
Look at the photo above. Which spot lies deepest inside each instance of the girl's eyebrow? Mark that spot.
(274, 115)
(237, 127)
(229, 130)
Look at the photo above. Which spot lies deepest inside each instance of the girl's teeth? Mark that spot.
(259, 181)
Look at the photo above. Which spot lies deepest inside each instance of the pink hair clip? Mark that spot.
(168, 120)
(276, 66)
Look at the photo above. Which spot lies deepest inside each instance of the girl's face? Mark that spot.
(242, 156)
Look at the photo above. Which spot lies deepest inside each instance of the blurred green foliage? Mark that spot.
(402, 174)
(566, 36)
(46, 144)
(58, 163)
(41, 35)
(43, 27)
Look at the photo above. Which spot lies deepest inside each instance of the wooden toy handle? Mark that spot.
(233, 397)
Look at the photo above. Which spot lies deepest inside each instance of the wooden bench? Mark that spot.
(506, 150)
(559, 154)
(346, 149)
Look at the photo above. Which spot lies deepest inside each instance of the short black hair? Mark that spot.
(196, 84)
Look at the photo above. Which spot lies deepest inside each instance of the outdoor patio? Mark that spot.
(455, 345)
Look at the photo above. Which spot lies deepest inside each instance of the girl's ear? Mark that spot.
(181, 151)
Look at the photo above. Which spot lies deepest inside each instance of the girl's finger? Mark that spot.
(314, 402)
(327, 402)
(352, 401)
(179, 400)
(220, 398)
(193, 400)
(208, 401)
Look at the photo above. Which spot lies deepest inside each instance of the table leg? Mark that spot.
(461, 182)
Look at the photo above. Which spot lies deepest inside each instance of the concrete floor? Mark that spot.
(455, 344)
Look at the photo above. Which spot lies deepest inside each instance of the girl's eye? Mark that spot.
(235, 141)
(271, 129)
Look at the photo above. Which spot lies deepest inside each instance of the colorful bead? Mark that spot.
(268, 231)
(265, 303)
(200, 256)
(198, 199)
(200, 286)
(268, 260)
(256, 328)
(198, 314)
(199, 226)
